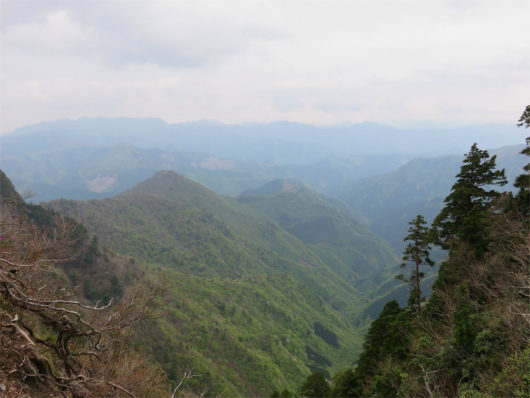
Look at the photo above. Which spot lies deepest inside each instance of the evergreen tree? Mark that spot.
(473, 337)
(315, 386)
(387, 340)
(385, 337)
(524, 120)
(346, 384)
(467, 204)
(417, 252)
(523, 181)
(281, 394)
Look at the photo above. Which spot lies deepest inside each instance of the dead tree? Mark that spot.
(53, 338)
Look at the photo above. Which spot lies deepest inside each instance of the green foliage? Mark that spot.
(345, 384)
(523, 181)
(191, 228)
(325, 334)
(472, 338)
(245, 312)
(386, 337)
(524, 120)
(344, 244)
(385, 384)
(389, 201)
(312, 355)
(514, 379)
(253, 343)
(463, 215)
(315, 386)
(417, 252)
(281, 394)
(467, 322)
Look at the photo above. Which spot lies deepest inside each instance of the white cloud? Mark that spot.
(321, 62)
(122, 33)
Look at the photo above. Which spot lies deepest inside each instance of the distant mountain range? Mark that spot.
(98, 172)
(100, 157)
(387, 202)
(280, 143)
(281, 229)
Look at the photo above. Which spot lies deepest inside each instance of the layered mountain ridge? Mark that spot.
(226, 256)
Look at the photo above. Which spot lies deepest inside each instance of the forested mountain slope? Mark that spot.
(243, 329)
(332, 234)
(253, 303)
(390, 200)
(53, 341)
(472, 336)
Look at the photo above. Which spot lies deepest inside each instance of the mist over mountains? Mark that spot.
(283, 239)
(280, 143)
(272, 199)
(382, 174)
(100, 157)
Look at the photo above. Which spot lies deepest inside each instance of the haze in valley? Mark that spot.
(263, 161)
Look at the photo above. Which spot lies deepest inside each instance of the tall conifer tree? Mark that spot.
(417, 252)
(523, 181)
(467, 204)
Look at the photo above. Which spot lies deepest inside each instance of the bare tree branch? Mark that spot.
(57, 340)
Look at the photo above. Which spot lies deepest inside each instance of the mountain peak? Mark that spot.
(164, 181)
(7, 189)
(172, 186)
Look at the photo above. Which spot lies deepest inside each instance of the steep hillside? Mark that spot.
(51, 337)
(248, 334)
(388, 200)
(232, 318)
(180, 222)
(240, 215)
(260, 294)
(177, 189)
(8, 192)
(343, 242)
(472, 337)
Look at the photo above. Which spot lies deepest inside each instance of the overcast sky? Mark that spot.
(317, 62)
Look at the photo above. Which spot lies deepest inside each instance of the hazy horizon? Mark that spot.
(403, 125)
(404, 64)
